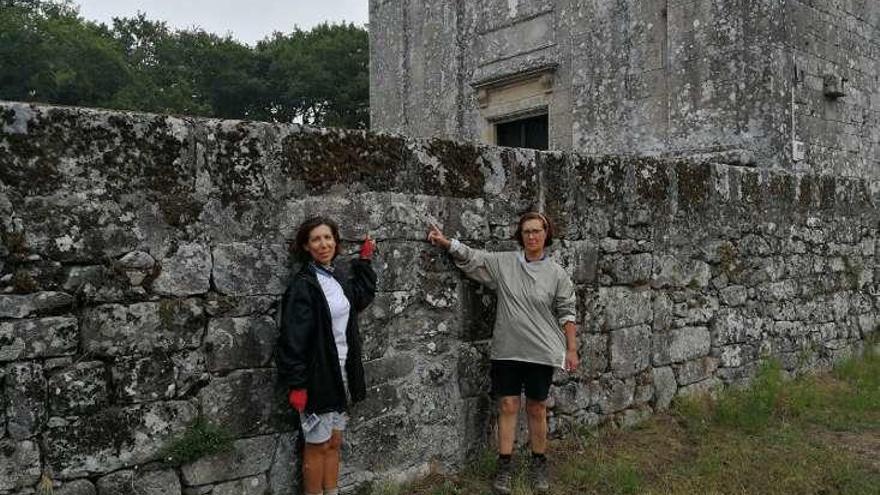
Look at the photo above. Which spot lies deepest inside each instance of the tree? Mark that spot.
(319, 77)
(49, 53)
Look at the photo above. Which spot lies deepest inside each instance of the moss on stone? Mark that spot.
(461, 161)
(324, 159)
(694, 182)
(23, 282)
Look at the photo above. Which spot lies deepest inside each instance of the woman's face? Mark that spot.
(533, 235)
(321, 245)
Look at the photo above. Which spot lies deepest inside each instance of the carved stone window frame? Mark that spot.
(512, 97)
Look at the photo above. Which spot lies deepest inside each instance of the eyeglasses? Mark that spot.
(532, 232)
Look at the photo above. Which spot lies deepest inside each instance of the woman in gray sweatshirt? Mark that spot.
(534, 333)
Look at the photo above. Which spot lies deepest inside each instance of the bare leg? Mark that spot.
(537, 413)
(508, 407)
(313, 466)
(331, 461)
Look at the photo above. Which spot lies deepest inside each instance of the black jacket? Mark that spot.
(307, 356)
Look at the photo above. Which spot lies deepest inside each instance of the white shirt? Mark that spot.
(339, 312)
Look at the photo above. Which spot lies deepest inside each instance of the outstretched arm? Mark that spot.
(475, 263)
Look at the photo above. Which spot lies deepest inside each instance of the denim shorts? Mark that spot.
(327, 422)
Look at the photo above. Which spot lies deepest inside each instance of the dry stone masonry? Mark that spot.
(143, 257)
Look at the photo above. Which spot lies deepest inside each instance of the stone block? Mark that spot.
(143, 328)
(610, 308)
(139, 379)
(612, 394)
(733, 326)
(473, 371)
(247, 457)
(19, 464)
(253, 485)
(679, 345)
(593, 351)
(665, 387)
(76, 487)
(38, 338)
(709, 386)
(734, 295)
(630, 350)
(78, 389)
(696, 370)
(21, 306)
(139, 483)
(386, 369)
(283, 473)
(244, 269)
(233, 343)
(671, 271)
(380, 400)
(247, 402)
(25, 387)
(570, 398)
(634, 269)
(114, 438)
(187, 272)
(398, 265)
(220, 306)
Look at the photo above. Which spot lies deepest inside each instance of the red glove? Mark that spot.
(367, 248)
(297, 398)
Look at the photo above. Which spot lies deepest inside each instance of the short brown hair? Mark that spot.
(306, 228)
(534, 215)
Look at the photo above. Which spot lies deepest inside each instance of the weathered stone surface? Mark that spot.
(670, 271)
(612, 395)
(19, 464)
(25, 390)
(243, 269)
(233, 343)
(680, 345)
(708, 386)
(220, 306)
(78, 389)
(247, 402)
(630, 350)
(618, 307)
(248, 457)
(21, 306)
(114, 438)
(570, 398)
(593, 353)
(282, 475)
(665, 387)
(139, 483)
(38, 338)
(473, 371)
(142, 328)
(76, 487)
(139, 379)
(696, 370)
(187, 272)
(628, 269)
(393, 367)
(254, 485)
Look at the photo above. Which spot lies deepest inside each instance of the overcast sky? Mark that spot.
(247, 20)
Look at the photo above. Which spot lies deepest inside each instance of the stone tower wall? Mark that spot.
(738, 81)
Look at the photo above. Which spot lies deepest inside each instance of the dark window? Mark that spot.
(531, 133)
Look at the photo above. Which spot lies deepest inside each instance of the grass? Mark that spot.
(200, 439)
(812, 435)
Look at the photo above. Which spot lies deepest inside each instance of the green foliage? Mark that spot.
(200, 439)
(752, 408)
(49, 53)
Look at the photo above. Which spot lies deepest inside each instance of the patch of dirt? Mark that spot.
(864, 445)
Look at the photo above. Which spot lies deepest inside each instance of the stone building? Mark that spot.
(789, 84)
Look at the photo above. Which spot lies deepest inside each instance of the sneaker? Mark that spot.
(503, 477)
(539, 476)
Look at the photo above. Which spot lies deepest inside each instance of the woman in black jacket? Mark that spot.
(319, 349)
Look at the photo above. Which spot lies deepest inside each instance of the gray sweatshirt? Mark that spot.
(534, 300)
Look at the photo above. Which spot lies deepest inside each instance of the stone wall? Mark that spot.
(741, 81)
(143, 256)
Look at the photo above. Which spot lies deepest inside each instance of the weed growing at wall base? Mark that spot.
(200, 439)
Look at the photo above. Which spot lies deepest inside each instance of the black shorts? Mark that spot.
(510, 378)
